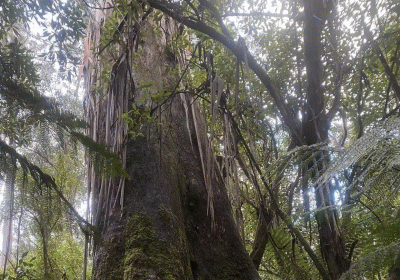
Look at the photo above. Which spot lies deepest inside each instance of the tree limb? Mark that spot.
(278, 211)
(381, 56)
(175, 12)
(254, 14)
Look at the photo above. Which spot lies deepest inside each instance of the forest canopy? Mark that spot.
(271, 126)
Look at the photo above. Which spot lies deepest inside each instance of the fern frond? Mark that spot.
(105, 161)
(370, 265)
(366, 147)
(43, 179)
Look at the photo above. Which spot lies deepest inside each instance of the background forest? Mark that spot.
(300, 104)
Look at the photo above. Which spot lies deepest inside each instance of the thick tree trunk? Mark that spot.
(162, 222)
(315, 130)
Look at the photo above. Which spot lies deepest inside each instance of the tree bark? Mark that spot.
(46, 261)
(261, 238)
(315, 130)
(394, 272)
(162, 222)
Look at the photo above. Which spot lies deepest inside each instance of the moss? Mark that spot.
(230, 269)
(146, 254)
(166, 217)
(171, 221)
(113, 268)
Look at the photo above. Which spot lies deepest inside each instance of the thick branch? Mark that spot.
(175, 12)
(217, 15)
(381, 56)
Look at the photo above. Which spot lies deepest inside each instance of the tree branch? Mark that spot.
(278, 211)
(217, 15)
(254, 14)
(176, 12)
(381, 56)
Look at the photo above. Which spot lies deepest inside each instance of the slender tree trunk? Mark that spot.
(394, 272)
(315, 130)
(162, 222)
(46, 262)
(86, 249)
(9, 205)
(261, 238)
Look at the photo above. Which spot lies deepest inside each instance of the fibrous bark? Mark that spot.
(157, 223)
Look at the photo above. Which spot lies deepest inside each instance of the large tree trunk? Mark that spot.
(315, 130)
(162, 222)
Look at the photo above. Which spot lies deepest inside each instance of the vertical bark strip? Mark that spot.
(46, 260)
(154, 224)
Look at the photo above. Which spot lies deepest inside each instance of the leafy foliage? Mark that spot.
(265, 166)
(136, 119)
(40, 152)
(24, 270)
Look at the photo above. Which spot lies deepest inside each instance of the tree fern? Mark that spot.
(373, 264)
(374, 197)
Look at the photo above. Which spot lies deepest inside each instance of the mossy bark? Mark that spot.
(157, 224)
(165, 231)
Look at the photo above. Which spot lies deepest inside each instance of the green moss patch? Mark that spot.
(146, 254)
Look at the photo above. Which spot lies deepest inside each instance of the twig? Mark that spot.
(253, 14)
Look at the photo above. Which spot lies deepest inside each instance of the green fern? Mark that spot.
(374, 263)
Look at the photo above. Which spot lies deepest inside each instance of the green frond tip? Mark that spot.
(364, 147)
(105, 161)
(44, 179)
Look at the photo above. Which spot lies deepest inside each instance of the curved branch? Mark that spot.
(378, 51)
(217, 15)
(175, 12)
